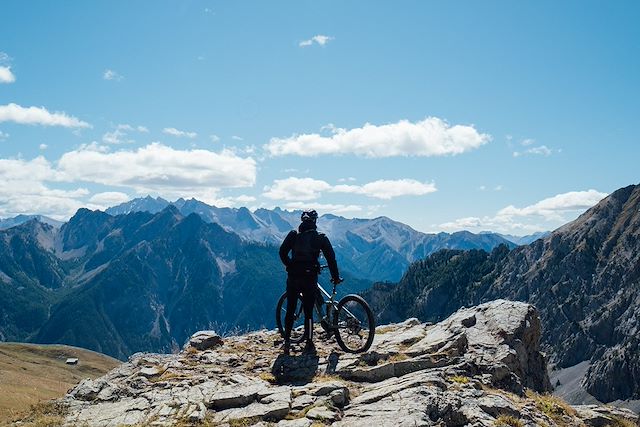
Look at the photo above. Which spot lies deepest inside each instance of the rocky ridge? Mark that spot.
(482, 366)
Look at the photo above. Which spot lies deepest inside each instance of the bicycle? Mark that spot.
(350, 319)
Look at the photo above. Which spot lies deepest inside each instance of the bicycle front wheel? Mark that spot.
(354, 324)
(297, 332)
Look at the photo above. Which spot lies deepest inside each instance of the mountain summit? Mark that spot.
(482, 366)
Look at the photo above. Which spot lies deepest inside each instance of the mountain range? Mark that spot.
(584, 278)
(375, 249)
(144, 281)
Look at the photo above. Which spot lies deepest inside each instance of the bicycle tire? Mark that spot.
(281, 311)
(350, 324)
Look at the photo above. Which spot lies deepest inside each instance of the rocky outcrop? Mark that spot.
(482, 366)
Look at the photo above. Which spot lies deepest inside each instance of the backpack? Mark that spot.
(305, 252)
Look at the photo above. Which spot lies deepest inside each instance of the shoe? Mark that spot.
(309, 348)
(286, 348)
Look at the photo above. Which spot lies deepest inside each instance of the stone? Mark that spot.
(205, 340)
(323, 413)
(151, 371)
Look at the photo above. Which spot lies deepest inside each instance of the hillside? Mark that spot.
(30, 373)
(481, 366)
(583, 277)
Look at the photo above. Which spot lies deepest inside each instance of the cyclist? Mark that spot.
(303, 268)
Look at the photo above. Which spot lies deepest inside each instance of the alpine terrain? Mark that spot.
(584, 278)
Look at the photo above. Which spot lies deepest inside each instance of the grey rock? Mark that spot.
(454, 373)
(205, 340)
(323, 413)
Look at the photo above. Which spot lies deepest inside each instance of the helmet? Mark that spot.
(310, 215)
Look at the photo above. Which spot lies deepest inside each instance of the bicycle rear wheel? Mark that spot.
(297, 332)
(354, 324)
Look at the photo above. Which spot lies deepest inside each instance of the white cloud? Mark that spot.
(118, 135)
(108, 198)
(326, 207)
(214, 138)
(541, 150)
(112, 75)
(554, 207)
(179, 133)
(296, 189)
(318, 39)
(3, 136)
(6, 76)
(429, 137)
(547, 214)
(301, 189)
(43, 146)
(23, 190)
(38, 116)
(245, 199)
(237, 138)
(26, 185)
(157, 168)
(388, 189)
(527, 142)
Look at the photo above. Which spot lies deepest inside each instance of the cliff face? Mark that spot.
(482, 366)
(584, 278)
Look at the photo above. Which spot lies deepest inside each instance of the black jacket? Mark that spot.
(305, 246)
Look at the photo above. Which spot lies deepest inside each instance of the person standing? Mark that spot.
(303, 268)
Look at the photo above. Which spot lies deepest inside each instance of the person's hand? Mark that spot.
(337, 281)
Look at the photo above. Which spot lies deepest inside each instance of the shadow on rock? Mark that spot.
(295, 369)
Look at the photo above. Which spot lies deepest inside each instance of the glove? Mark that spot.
(337, 280)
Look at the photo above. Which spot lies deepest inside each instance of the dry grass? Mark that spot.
(268, 377)
(553, 407)
(43, 414)
(33, 373)
(621, 422)
(508, 420)
(459, 379)
(384, 330)
(325, 378)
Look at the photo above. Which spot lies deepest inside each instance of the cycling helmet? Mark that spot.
(310, 215)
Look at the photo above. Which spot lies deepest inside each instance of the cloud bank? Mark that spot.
(304, 189)
(545, 215)
(429, 137)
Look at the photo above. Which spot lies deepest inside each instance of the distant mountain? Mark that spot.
(145, 204)
(524, 240)
(21, 219)
(584, 278)
(373, 249)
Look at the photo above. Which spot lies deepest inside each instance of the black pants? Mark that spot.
(306, 285)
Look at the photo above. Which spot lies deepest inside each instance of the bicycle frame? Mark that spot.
(330, 300)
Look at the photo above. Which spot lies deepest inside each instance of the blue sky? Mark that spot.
(498, 115)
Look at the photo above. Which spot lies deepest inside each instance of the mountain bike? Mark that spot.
(350, 319)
